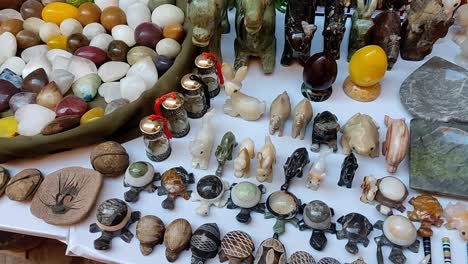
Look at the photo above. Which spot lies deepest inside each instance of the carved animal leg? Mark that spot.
(203, 209)
(304, 56)
(333, 145)
(249, 259)
(315, 147)
(396, 256)
(168, 203)
(286, 58)
(132, 195)
(104, 241)
(280, 129)
(151, 188)
(228, 109)
(318, 240)
(126, 235)
(244, 216)
(351, 247)
(268, 58)
(302, 133)
(242, 58)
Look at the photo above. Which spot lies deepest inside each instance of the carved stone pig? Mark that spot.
(279, 112)
(386, 33)
(395, 146)
(360, 135)
(302, 115)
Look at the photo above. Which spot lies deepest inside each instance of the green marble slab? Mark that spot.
(439, 157)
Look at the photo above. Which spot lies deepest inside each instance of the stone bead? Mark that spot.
(103, 4)
(33, 24)
(71, 105)
(175, 32)
(110, 91)
(49, 96)
(131, 87)
(26, 39)
(163, 64)
(137, 13)
(35, 81)
(168, 47)
(10, 4)
(53, 53)
(368, 65)
(9, 14)
(148, 34)
(20, 99)
(76, 41)
(125, 34)
(57, 42)
(86, 87)
(61, 124)
(70, 26)
(37, 63)
(11, 25)
(57, 12)
(138, 52)
(92, 115)
(152, 4)
(32, 118)
(166, 14)
(113, 16)
(117, 50)
(116, 104)
(77, 3)
(8, 127)
(89, 13)
(113, 71)
(9, 46)
(12, 77)
(93, 29)
(15, 64)
(31, 8)
(101, 41)
(146, 69)
(7, 90)
(35, 51)
(63, 79)
(47, 30)
(96, 55)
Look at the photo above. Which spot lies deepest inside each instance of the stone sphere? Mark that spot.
(320, 71)
(368, 65)
(110, 159)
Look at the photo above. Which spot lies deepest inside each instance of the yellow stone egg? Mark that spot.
(57, 12)
(57, 42)
(8, 127)
(92, 115)
(368, 65)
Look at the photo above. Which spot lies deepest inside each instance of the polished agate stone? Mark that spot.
(96, 55)
(175, 32)
(89, 13)
(319, 74)
(7, 90)
(117, 51)
(58, 12)
(31, 8)
(11, 25)
(138, 52)
(26, 39)
(76, 41)
(113, 16)
(35, 81)
(13, 78)
(49, 96)
(163, 64)
(20, 99)
(148, 34)
(61, 124)
(71, 105)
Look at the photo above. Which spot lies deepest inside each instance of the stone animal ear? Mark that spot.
(240, 74)
(228, 72)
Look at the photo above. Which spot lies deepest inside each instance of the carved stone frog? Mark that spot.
(360, 135)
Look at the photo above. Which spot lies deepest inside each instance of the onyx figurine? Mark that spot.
(299, 30)
(325, 131)
(348, 169)
(294, 166)
(334, 27)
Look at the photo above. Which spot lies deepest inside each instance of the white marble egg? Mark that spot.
(70, 26)
(168, 47)
(92, 30)
(137, 13)
(399, 230)
(103, 4)
(113, 71)
(9, 46)
(15, 64)
(34, 51)
(47, 30)
(33, 24)
(131, 87)
(125, 34)
(167, 14)
(102, 41)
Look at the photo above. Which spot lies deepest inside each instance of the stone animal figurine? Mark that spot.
(325, 131)
(174, 183)
(388, 193)
(361, 22)
(239, 104)
(360, 135)
(426, 22)
(395, 146)
(299, 30)
(255, 28)
(386, 33)
(209, 19)
(265, 160)
(457, 218)
(302, 115)
(317, 172)
(242, 162)
(348, 169)
(334, 28)
(200, 147)
(224, 151)
(279, 112)
(209, 191)
(294, 166)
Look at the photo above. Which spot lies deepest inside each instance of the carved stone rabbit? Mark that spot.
(265, 160)
(242, 162)
(302, 115)
(201, 146)
(279, 112)
(239, 104)
(395, 146)
(317, 172)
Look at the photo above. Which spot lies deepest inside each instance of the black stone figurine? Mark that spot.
(246, 196)
(299, 30)
(114, 218)
(356, 228)
(205, 243)
(334, 27)
(294, 166)
(325, 131)
(317, 216)
(348, 169)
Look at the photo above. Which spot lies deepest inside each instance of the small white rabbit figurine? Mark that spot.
(239, 104)
(242, 162)
(201, 146)
(317, 172)
(265, 160)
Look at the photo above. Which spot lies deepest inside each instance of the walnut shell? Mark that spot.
(110, 159)
(23, 185)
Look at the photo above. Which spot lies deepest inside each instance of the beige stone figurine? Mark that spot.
(361, 136)
(242, 162)
(279, 112)
(265, 160)
(395, 146)
(302, 115)
(457, 218)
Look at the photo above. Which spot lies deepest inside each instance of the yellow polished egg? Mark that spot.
(57, 12)
(92, 115)
(57, 42)
(8, 127)
(368, 65)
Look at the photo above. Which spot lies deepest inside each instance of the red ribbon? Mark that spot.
(165, 125)
(209, 55)
(160, 100)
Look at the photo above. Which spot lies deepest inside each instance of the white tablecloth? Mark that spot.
(17, 218)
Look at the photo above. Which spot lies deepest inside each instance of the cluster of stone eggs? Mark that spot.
(114, 48)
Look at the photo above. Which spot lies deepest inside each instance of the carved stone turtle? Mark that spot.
(284, 206)
(150, 232)
(173, 184)
(177, 238)
(4, 178)
(205, 243)
(210, 191)
(271, 251)
(301, 257)
(140, 176)
(328, 260)
(317, 216)
(246, 196)
(237, 247)
(388, 192)
(356, 228)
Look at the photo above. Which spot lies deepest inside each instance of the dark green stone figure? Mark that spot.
(361, 22)
(224, 151)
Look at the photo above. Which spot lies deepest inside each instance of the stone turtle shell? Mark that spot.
(177, 235)
(356, 225)
(150, 229)
(112, 212)
(237, 244)
(317, 215)
(301, 257)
